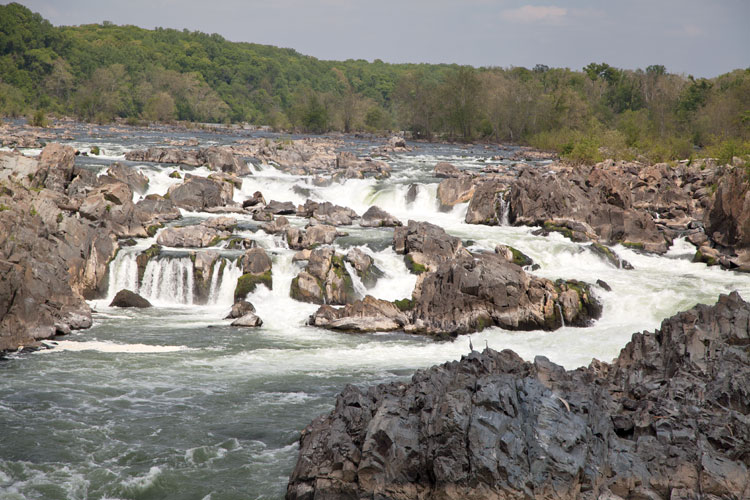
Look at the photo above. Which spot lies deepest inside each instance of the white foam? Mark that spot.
(110, 347)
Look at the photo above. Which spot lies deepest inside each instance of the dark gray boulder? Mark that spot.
(126, 298)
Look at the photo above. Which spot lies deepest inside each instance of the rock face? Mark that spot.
(51, 258)
(215, 158)
(486, 205)
(727, 222)
(126, 298)
(667, 420)
(325, 280)
(641, 206)
(455, 190)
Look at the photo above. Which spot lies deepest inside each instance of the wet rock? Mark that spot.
(377, 217)
(455, 190)
(411, 194)
(325, 280)
(666, 420)
(155, 209)
(364, 266)
(239, 309)
(221, 159)
(609, 255)
(447, 170)
(603, 284)
(126, 298)
(513, 255)
(248, 320)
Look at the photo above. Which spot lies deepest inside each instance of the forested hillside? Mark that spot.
(102, 72)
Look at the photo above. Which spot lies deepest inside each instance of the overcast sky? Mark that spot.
(698, 37)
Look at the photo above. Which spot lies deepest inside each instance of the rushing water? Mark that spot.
(173, 403)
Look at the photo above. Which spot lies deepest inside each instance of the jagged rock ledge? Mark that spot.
(669, 418)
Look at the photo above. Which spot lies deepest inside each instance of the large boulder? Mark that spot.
(198, 193)
(455, 190)
(667, 420)
(377, 217)
(312, 236)
(127, 298)
(487, 205)
(327, 213)
(248, 320)
(366, 315)
(55, 167)
(364, 266)
(425, 246)
(195, 236)
(325, 280)
(447, 170)
(134, 178)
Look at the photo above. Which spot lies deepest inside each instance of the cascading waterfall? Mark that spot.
(222, 287)
(562, 318)
(169, 280)
(359, 287)
(504, 210)
(123, 274)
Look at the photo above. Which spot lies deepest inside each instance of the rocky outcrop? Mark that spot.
(256, 270)
(727, 223)
(127, 298)
(51, 259)
(364, 266)
(455, 190)
(473, 292)
(447, 170)
(425, 246)
(487, 204)
(327, 213)
(199, 193)
(366, 315)
(215, 158)
(377, 217)
(325, 280)
(248, 320)
(196, 236)
(135, 179)
(667, 420)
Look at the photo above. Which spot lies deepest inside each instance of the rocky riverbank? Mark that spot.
(667, 419)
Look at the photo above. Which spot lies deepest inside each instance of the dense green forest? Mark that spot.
(103, 72)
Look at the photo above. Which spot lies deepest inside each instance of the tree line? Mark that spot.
(104, 72)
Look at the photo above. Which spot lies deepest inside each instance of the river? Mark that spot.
(173, 403)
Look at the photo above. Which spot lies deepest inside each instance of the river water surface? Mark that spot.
(173, 403)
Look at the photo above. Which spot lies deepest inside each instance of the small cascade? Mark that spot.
(169, 280)
(359, 287)
(222, 287)
(504, 211)
(123, 274)
(562, 318)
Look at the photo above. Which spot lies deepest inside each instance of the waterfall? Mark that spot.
(359, 287)
(168, 280)
(222, 287)
(123, 274)
(562, 318)
(504, 210)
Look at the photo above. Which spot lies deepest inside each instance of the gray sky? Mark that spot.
(698, 37)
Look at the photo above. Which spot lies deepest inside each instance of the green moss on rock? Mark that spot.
(248, 282)
(414, 267)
